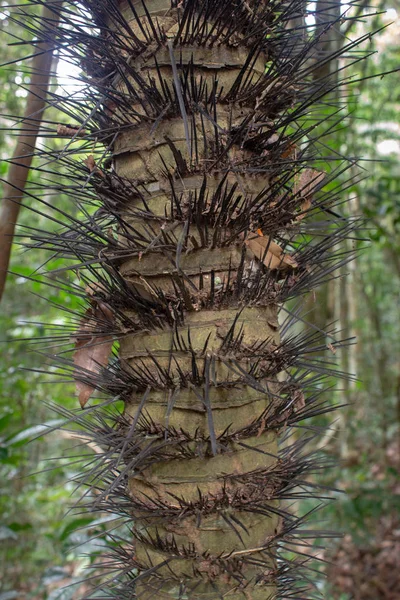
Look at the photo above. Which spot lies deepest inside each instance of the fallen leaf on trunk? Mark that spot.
(92, 166)
(291, 151)
(305, 186)
(270, 253)
(299, 400)
(94, 288)
(92, 350)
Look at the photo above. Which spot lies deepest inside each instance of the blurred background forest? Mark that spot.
(43, 547)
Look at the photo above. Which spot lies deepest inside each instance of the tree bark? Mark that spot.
(215, 495)
(13, 188)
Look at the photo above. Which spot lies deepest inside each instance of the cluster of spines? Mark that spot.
(276, 120)
(119, 446)
(94, 241)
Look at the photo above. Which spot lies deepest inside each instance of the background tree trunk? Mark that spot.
(13, 188)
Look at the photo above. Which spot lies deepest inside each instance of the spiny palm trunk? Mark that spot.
(201, 235)
(213, 474)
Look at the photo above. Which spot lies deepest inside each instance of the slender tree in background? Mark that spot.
(13, 188)
(195, 177)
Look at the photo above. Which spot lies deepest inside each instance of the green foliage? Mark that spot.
(37, 548)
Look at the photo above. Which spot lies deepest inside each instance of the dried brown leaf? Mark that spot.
(309, 179)
(95, 287)
(305, 187)
(270, 253)
(299, 400)
(92, 350)
(92, 166)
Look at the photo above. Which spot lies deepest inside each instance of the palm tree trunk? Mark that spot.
(212, 478)
(208, 174)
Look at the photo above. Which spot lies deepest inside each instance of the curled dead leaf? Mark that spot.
(290, 152)
(305, 187)
(270, 253)
(92, 166)
(299, 399)
(95, 287)
(92, 350)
